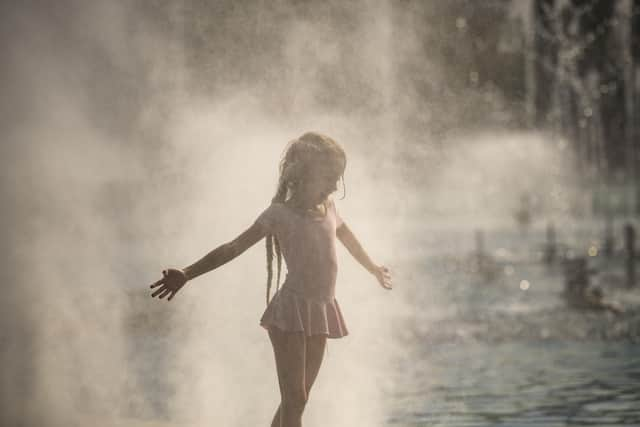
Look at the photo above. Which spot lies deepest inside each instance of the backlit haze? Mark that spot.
(140, 135)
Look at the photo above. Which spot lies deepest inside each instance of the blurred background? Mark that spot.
(493, 165)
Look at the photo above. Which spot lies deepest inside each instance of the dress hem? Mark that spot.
(291, 312)
(329, 336)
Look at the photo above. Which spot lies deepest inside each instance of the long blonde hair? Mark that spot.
(310, 150)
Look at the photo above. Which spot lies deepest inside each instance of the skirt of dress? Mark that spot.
(291, 312)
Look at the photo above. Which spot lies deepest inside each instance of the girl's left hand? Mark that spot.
(384, 276)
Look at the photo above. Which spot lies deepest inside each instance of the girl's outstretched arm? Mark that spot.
(175, 279)
(354, 247)
(225, 252)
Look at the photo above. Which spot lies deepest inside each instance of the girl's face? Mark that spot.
(316, 187)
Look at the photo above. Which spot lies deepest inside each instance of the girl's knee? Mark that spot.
(295, 400)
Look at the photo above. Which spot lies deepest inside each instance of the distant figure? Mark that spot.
(609, 244)
(550, 248)
(523, 213)
(481, 262)
(579, 293)
(594, 298)
(576, 279)
(301, 225)
(630, 249)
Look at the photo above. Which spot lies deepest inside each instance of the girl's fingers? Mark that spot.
(157, 292)
(164, 293)
(158, 283)
(173, 293)
(385, 282)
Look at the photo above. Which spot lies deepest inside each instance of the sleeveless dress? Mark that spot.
(306, 300)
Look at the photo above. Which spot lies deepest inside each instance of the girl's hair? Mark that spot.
(310, 151)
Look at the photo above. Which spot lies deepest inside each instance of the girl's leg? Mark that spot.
(315, 352)
(290, 354)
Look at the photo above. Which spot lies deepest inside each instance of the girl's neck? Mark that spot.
(305, 206)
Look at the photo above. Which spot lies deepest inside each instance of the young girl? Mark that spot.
(302, 225)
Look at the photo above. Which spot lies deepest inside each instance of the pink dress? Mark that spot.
(306, 300)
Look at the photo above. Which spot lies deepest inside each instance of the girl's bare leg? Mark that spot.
(315, 353)
(298, 360)
(289, 352)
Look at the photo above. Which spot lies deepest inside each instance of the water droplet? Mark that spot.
(501, 252)
(474, 77)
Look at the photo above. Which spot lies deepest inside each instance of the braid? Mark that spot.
(269, 268)
(276, 244)
(273, 243)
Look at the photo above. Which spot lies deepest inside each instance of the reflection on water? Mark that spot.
(485, 351)
(519, 383)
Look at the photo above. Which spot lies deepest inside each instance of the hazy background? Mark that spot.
(140, 135)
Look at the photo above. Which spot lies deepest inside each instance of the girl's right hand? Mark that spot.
(170, 284)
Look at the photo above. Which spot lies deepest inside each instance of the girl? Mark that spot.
(302, 225)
